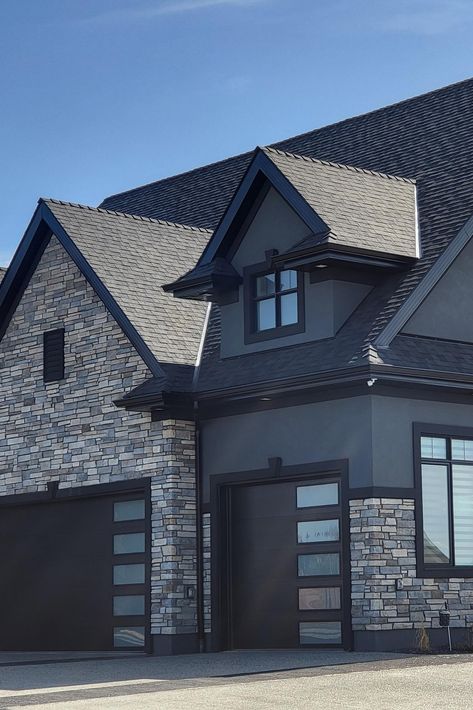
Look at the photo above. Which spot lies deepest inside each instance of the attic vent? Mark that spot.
(53, 355)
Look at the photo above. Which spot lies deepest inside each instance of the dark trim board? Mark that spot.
(251, 335)
(56, 493)
(260, 168)
(220, 496)
(433, 571)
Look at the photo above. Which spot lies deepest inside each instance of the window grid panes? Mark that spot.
(129, 574)
(126, 636)
(128, 543)
(320, 633)
(316, 495)
(447, 501)
(318, 598)
(128, 510)
(129, 605)
(318, 564)
(433, 447)
(276, 300)
(318, 531)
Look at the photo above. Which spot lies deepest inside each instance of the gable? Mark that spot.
(274, 226)
(447, 311)
(124, 259)
(58, 296)
(132, 257)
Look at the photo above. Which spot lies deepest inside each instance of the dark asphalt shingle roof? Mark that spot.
(428, 139)
(2, 273)
(362, 209)
(133, 257)
(177, 378)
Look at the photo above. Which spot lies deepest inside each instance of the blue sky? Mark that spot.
(98, 96)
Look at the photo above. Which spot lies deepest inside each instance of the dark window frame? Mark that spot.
(54, 355)
(447, 432)
(252, 335)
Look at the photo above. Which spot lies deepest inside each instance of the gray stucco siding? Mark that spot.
(447, 312)
(392, 426)
(318, 432)
(275, 226)
(327, 304)
(374, 432)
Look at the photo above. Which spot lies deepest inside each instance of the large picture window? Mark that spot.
(447, 500)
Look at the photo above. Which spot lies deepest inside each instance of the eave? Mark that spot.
(163, 405)
(329, 254)
(367, 379)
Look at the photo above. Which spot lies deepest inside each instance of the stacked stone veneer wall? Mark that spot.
(73, 432)
(383, 551)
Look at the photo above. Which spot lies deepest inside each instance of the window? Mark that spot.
(447, 501)
(275, 300)
(53, 355)
(274, 303)
(129, 510)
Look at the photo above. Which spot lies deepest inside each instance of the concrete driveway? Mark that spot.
(237, 680)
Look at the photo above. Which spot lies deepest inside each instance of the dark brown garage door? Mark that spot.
(287, 586)
(74, 574)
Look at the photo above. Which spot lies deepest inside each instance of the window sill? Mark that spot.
(443, 572)
(271, 333)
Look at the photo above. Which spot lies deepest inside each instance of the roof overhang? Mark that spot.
(333, 255)
(362, 380)
(214, 276)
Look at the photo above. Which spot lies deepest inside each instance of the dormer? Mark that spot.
(300, 245)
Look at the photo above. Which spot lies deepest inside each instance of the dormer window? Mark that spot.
(274, 303)
(275, 300)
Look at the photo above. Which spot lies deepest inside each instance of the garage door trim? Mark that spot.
(129, 487)
(220, 496)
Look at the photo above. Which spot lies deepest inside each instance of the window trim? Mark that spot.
(251, 334)
(449, 432)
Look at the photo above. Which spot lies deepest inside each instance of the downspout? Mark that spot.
(199, 536)
(198, 499)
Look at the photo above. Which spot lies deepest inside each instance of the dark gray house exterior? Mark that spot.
(237, 403)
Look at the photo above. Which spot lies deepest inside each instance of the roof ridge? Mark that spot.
(202, 166)
(377, 110)
(343, 166)
(114, 213)
(297, 136)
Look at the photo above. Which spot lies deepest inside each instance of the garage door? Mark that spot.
(74, 574)
(287, 585)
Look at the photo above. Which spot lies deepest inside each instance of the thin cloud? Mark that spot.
(173, 7)
(427, 17)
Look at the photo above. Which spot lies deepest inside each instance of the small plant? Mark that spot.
(423, 640)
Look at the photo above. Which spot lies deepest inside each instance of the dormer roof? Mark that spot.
(362, 209)
(351, 214)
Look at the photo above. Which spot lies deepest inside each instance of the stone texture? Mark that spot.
(72, 431)
(383, 551)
